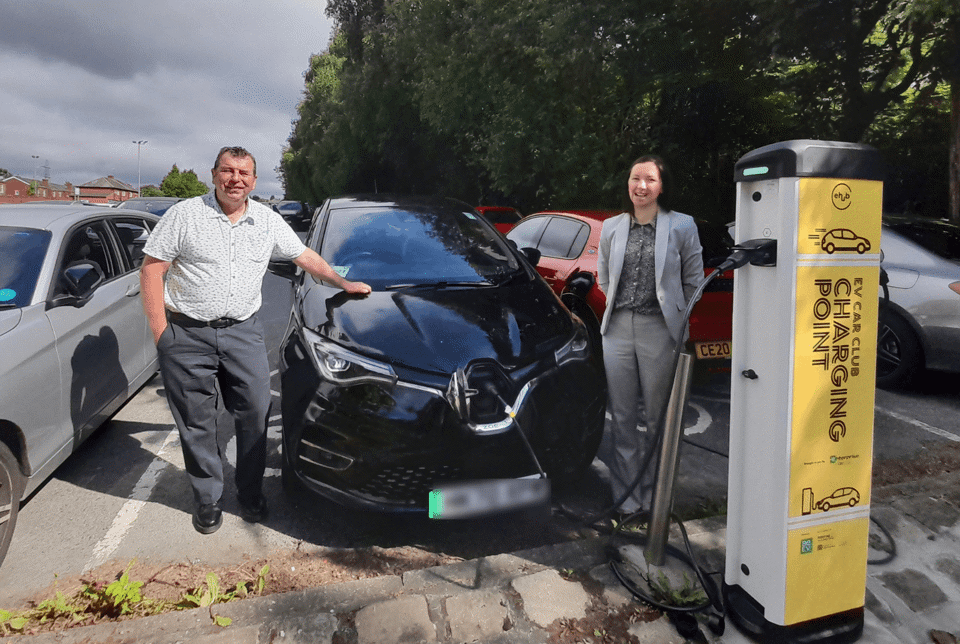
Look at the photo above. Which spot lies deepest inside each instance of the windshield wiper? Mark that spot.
(506, 278)
(440, 284)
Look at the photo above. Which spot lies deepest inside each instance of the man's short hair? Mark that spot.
(238, 153)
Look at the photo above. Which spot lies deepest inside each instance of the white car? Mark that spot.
(73, 336)
(920, 321)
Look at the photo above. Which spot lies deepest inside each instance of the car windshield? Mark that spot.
(938, 237)
(21, 255)
(391, 247)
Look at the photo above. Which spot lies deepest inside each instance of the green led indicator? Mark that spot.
(435, 503)
(750, 172)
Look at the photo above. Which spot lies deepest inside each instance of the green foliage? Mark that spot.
(150, 191)
(182, 184)
(544, 104)
(689, 594)
(98, 601)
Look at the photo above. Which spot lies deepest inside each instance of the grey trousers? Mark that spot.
(203, 371)
(638, 357)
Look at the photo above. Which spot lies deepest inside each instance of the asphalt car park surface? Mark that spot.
(123, 495)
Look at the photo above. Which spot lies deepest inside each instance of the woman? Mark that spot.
(649, 265)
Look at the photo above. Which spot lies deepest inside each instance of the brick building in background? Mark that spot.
(106, 190)
(14, 189)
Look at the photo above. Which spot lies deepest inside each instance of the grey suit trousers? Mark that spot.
(638, 358)
(205, 370)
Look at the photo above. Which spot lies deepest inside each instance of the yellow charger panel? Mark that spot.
(802, 392)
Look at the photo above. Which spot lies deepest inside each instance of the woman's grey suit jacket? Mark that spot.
(679, 264)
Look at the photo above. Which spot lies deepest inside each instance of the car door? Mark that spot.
(99, 343)
(132, 233)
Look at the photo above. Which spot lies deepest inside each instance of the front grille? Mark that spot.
(410, 485)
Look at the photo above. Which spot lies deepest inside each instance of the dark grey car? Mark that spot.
(73, 335)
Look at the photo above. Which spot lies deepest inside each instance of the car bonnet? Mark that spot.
(442, 329)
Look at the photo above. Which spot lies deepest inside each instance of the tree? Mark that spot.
(4, 173)
(150, 191)
(182, 184)
(540, 105)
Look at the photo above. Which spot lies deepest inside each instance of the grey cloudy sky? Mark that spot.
(80, 80)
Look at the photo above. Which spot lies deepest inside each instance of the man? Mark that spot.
(201, 281)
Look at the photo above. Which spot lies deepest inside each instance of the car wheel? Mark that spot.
(853, 502)
(567, 461)
(861, 248)
(11, 488)
(825, 506)
(899, 355)
(829, 248)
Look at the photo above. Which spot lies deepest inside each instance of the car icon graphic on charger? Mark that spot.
(844, 496)
(844, 239)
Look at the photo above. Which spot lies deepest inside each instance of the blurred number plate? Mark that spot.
(471, 499)
(712, 350)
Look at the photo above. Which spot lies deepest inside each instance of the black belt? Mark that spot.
(185, 320)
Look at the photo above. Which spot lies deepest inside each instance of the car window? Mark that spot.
(22, 251)
(940, 238)
(389, 246)
(564, 238)
(89, 243)
(133, 233)
(527, 233)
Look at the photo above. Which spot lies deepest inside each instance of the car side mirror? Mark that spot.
(285, 269)
(80, 280)
(532, 254)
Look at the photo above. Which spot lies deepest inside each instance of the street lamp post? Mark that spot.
(139, 143)
(36, 190)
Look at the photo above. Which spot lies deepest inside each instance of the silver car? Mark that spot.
(74, 340)
(920, 323)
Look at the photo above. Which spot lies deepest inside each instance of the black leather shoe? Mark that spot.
(207, 518)
(255, 511)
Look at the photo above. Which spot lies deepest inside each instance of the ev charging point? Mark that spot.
(802, 392)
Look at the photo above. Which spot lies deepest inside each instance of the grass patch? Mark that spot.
(97, 602)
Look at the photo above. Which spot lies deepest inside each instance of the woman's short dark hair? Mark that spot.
(665, 200)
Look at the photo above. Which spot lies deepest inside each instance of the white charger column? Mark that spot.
(802, 392)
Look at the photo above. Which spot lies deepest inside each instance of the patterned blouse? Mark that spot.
(637, 289)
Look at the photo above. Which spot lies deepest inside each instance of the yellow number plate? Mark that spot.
(712, 350)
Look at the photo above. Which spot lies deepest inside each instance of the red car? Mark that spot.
(502, 217)
(568, 241)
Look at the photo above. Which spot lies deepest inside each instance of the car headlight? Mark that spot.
(344, 367)
(578, 348)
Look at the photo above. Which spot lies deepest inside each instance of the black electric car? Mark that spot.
(430, 379)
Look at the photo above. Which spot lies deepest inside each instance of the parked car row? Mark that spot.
(473, 357)
(73, 336)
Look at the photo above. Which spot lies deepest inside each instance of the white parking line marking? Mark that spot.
(920, 424)
(704, 420)
(131, 509)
